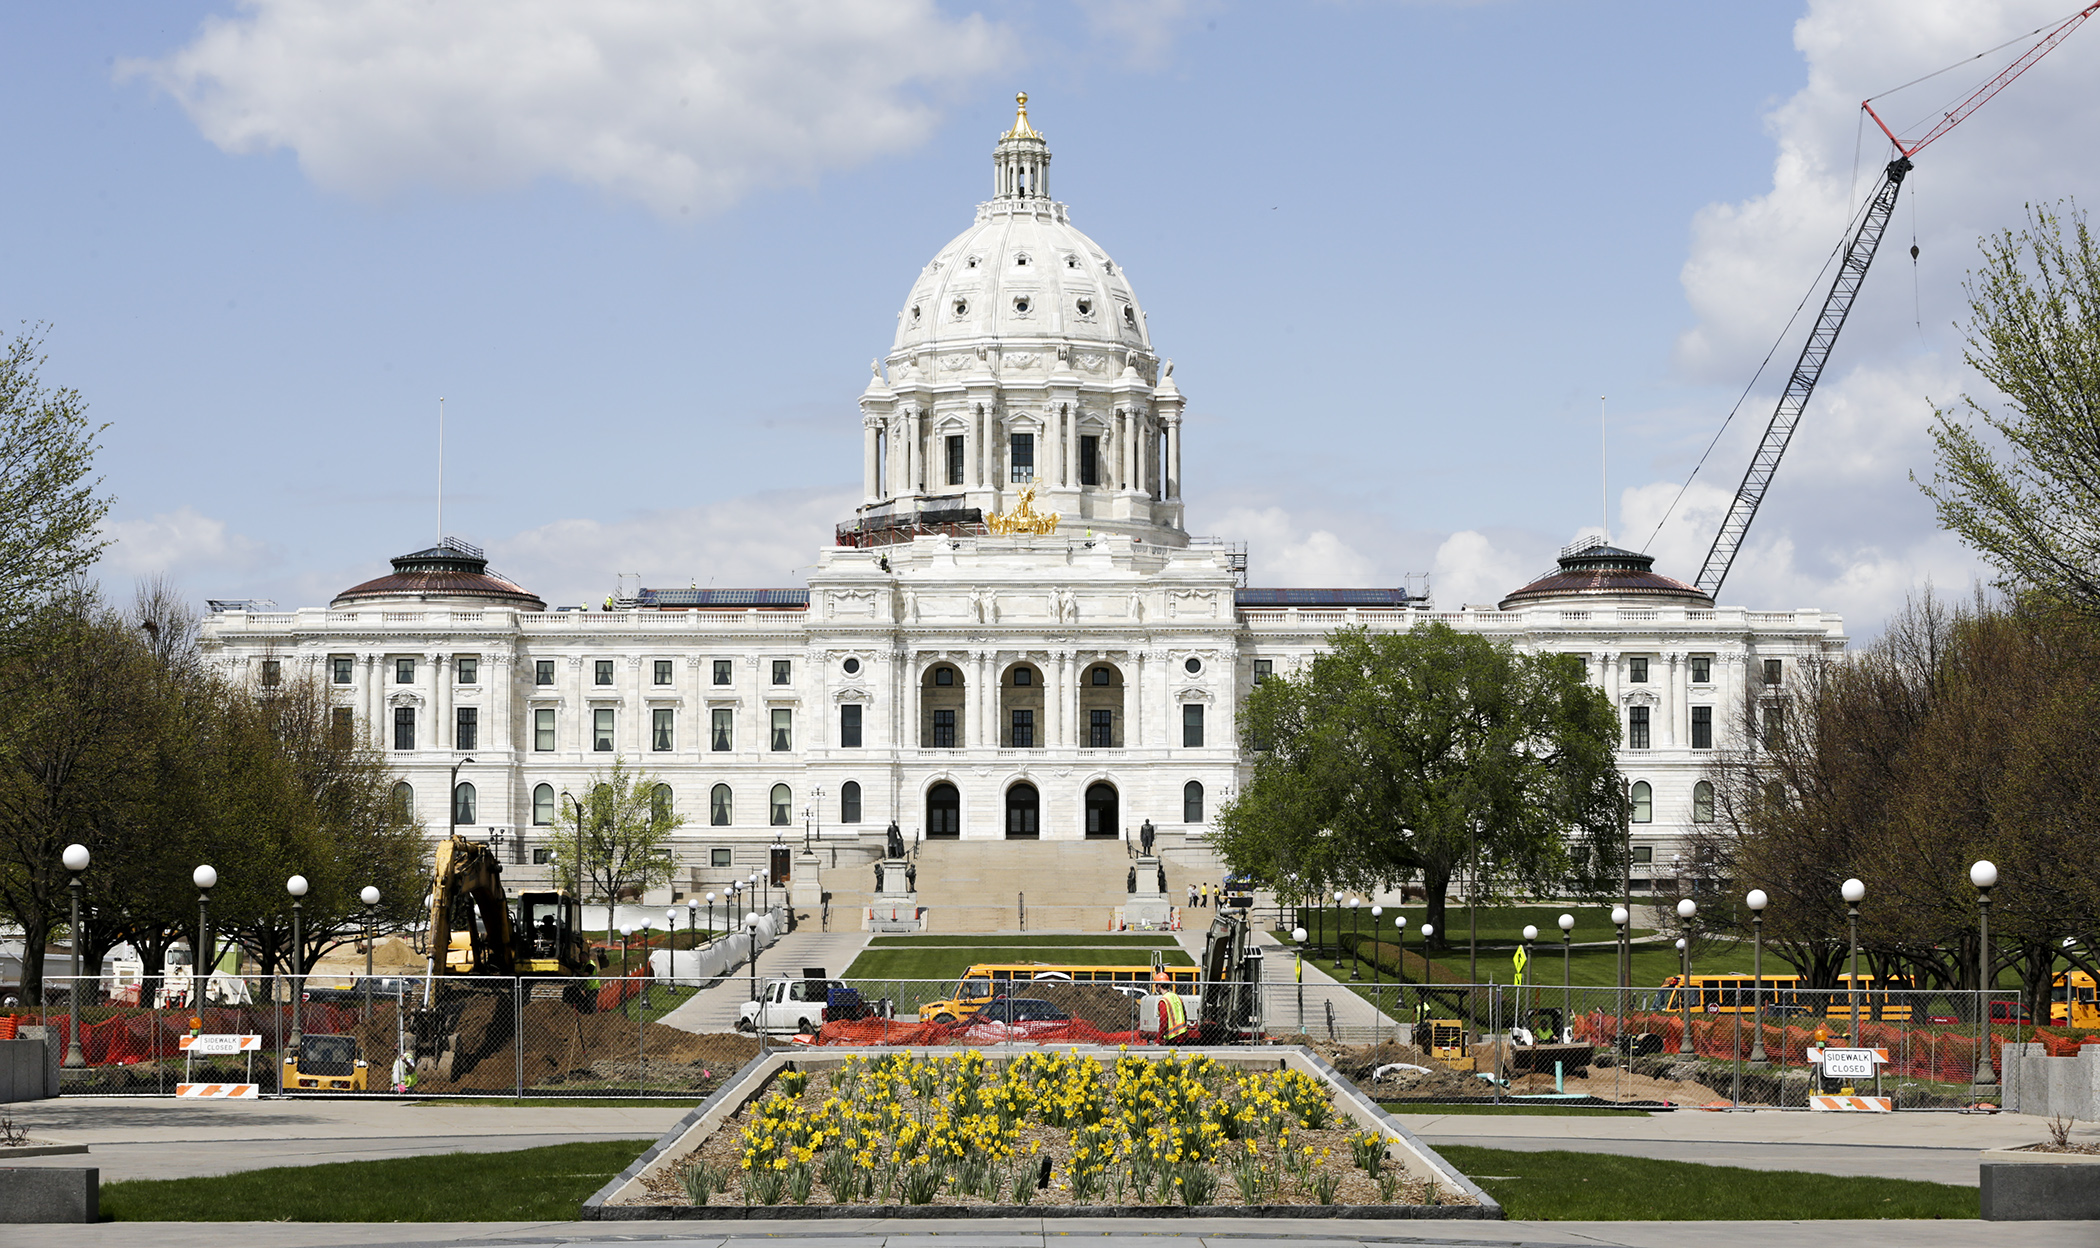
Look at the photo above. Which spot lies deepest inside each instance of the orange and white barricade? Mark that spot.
(1849, 1064)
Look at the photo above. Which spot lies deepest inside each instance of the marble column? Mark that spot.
(1174, 460)
(870, 473)
(439, 733)
(1134, 701)
(374, 700)
(1054, 699)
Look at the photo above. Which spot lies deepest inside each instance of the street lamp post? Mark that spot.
(1686, 909)
(1567, 985)
(1530, 934)
(1400, 923)
(1619, 915)
(369, 896)
(1338, 931)
(205, 878)
(710, 918)
(751, 930)
(452, 794)
(1984, 875)
(1757, 901)
(578, 808)
(1422, 998)
(296, 886)
(1853, 891)
(645, 964)
(75, 859)
(1377, 913)
(1356, 963)
(1298, 936)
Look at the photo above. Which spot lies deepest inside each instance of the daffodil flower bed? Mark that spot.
(1047, 1129)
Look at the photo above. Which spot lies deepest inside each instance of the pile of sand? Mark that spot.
(562, 1045)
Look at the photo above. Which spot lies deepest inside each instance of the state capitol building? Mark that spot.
(960, 662)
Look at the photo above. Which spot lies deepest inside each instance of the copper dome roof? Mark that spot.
(1607, 572)
(442, 572)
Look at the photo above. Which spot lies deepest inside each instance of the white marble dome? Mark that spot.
(1022, 272)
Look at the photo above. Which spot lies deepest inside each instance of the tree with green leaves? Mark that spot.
(2021, 483)
(50, 513)
(1400, 755)
(627, 821)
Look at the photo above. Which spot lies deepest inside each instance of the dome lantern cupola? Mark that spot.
(1021, 162)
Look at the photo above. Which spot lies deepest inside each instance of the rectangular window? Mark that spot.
(661, 671)
(541, 857)
(1773, 668)
(1702, 670)
(466, 727)
(602, 672)
(467, 671)
(341, 724)
(343, 666)
(404, 671)
(1636, 727)
(543, 671)
(783, 730)
(1775, 727)
(723, 731)
(1192, 725)
(1021, 458)
(1263, 669)
(955, 459)
(272, 673)
(783, 671)
(944, 730)
(1100, 731)
(1702, 727)
(660, 729)
(543, 731)
(1637, 670)
(404, 728)
(1644, 854)
(722, 671)
(602, 731)
(1089, 459)
(718, 857)
(1024, 730)
(849, 726)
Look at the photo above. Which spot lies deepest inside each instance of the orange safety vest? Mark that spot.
(1173, 1018)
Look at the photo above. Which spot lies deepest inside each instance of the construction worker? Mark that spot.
(1174, 1025)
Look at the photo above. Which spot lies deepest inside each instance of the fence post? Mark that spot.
(517, 1030)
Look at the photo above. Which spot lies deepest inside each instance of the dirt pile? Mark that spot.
(566, 1046)
(1098, 1004)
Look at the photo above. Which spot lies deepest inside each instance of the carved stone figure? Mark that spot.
(1135, 608)
(911, 607)
(1131, 886)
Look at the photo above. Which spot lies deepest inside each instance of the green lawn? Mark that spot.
(1497, 923)
(948, 962)
(1422, 1109)
(1583, 1187)
(1594, 968)
(529, 1185)
(1104, 940)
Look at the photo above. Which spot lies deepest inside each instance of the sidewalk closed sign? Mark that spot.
(1848, 1063)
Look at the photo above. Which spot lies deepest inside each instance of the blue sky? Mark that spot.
(645, 251)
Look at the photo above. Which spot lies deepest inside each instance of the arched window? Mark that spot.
(660, 803)
(943, 811)
(542, 805)
(1192, 802)
(849, 802)
(1703, 802)
(720, 810)
(1643, 802)
(782, 801)
(463, 803)
(404, 799)
(1023, 811)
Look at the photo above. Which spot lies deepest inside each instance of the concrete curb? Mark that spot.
(39, 1150)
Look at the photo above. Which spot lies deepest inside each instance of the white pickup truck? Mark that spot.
(799, 1005)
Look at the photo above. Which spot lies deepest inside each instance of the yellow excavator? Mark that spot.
(482, 948)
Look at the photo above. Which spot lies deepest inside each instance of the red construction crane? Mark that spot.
(1837, 305)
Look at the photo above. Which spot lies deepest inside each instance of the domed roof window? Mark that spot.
(962, 307)
(1021, 260)
(1085, 306)
(1022, 304)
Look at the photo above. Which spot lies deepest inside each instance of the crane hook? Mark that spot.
(1914, 253)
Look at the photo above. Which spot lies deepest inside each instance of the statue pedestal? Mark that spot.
(805, 884)
(895, 907)
(1147, 906)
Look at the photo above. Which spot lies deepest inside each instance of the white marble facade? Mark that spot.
(1056, 349)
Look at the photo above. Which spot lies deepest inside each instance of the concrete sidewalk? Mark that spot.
(714, 1008)
(1060, 1233)
(1936, 1147)
(140, 1138)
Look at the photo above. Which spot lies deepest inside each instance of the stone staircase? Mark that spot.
(1010, 886)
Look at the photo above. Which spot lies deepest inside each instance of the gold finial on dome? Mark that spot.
(1021, 130)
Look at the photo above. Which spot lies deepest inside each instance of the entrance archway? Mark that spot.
(943, 812)
(1104, 819)
(1023, 813)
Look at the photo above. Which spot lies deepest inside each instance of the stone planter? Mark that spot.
(2021, 1185)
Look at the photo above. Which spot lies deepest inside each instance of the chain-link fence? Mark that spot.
(677, 1027)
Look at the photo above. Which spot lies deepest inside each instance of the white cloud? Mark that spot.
(1471, 568)
(1285, 553)
(760, 541)
(679, 104)
(1843, 527)
(178, 544)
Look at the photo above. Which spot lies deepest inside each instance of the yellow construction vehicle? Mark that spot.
(480, 944)
(325, 1064)
(1445, 1040)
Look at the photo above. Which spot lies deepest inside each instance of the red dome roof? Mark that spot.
(1607, 572)
(442, 572)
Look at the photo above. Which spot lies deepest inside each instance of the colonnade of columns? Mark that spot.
(984, 672)
(1141, 453)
